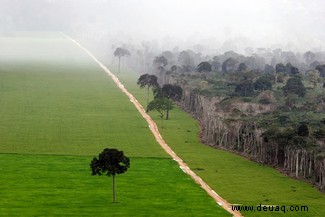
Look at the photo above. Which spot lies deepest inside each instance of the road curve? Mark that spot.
(154, 129)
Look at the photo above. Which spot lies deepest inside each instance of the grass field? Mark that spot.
(59, 109)
(238, 180)
(48, 185)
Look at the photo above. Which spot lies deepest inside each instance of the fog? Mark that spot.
(216, 26)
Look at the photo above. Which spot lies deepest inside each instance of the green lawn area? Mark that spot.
(58, 110)
(47, 185)
(53, 106)
(235, 178)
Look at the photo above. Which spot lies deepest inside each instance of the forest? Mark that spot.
(266, 103)
(268, 106)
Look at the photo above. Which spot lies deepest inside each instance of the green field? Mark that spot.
(235, 178)
(47, 185)
(59, 109)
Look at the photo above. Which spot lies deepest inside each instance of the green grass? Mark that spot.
(67, 108)
(41, 185)
(58, 110)
(235, 178)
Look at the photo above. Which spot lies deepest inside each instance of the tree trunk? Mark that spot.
(114, 191)
(167, 114)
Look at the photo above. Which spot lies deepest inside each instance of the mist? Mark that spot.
(216, 26)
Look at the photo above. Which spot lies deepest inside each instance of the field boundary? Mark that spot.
(154, 129)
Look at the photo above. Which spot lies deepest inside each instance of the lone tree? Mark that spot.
(162, 105)
(149, 81)
(171, 92)
(110, 162)
(120, 52)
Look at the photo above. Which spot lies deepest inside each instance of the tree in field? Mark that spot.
(173, 92)
(161, 105)
(148, 81)
(204, 67)
(169, 91)
(120, 52)
(295, 86)
(110, 162)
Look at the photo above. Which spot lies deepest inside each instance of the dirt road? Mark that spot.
(154, 129)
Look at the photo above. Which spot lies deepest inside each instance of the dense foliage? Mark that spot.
(110, 162)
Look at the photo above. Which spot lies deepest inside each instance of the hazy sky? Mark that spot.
(291, 23)
(262, 21)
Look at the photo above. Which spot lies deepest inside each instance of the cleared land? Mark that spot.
(59, 109)
(235, 178)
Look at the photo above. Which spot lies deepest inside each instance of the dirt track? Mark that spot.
(153, 127)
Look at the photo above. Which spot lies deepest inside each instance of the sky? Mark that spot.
(296, 24)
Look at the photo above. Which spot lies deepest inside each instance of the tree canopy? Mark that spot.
(280, 67)
(149, 81)
(204, 67)
(263, 83)
(120, 52)
(160, 61)
(110, 162)
(162, 105)
(245, 88)
(173, 92)
(229, 65)
(294, 85)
